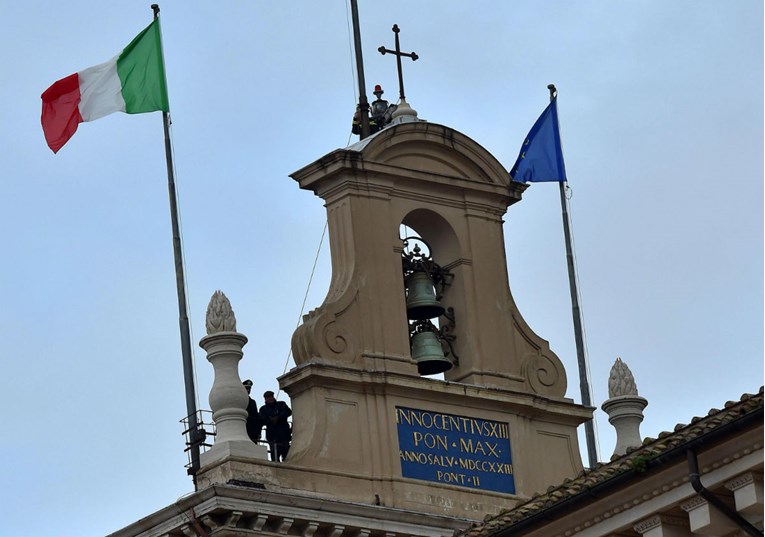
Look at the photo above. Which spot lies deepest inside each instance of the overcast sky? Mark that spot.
(661, 112)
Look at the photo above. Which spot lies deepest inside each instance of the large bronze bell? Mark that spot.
(421, 300)
(427, 352)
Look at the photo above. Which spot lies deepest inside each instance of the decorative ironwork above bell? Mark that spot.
(428, 353)
(421, 302)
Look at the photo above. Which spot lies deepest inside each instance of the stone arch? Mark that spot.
(435, 149)
(437, 232)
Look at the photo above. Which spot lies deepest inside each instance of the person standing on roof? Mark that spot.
(254, 423)
(278, 432)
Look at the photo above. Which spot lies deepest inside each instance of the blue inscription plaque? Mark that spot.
(458, 450)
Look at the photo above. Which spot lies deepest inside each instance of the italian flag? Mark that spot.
(132, 82)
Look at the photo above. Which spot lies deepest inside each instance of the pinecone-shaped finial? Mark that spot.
(620, 380)
(220, 316)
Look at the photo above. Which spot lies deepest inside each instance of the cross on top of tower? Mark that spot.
(398, 55)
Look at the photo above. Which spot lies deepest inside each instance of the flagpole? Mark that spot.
(584, 386)
(188, 364)
(363, 103)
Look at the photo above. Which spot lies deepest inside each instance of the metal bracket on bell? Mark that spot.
(447, 336)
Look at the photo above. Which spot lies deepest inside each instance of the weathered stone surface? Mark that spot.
(621, 381)
(220, 316)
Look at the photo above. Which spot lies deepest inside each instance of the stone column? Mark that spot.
(228, 398)
(624, 408)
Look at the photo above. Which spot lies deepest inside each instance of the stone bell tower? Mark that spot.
(367, 427)
(453, 193)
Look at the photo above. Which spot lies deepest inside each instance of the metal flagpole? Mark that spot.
(363, 103)
(188, 364)
(584, 386)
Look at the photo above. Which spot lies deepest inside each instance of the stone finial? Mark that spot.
(404, 113)
(624, 408)
(220, 316)
(620, 380)
(228, 398)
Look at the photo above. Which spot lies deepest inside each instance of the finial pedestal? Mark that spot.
(625, 413)
(404, 113)
(228, 398)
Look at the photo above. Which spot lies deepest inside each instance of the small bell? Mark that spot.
(427, 352)
(421, 300)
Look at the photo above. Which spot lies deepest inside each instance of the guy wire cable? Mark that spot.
(570, 194)
(305, 297)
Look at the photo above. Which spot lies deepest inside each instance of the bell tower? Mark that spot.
(360, 404)
(453, 193)
(370, 423)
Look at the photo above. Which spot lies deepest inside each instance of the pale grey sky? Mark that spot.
(661, 110)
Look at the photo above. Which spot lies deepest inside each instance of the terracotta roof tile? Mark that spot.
(651, 448)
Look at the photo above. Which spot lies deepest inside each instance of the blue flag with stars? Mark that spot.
(541, 157)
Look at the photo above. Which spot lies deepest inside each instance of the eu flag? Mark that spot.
(541, 157)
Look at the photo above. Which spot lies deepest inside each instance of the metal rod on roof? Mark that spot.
(363, 103)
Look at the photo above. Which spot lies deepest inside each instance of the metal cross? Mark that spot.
(398, 54)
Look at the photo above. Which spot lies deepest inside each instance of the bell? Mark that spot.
(427, 352)
(421, 300)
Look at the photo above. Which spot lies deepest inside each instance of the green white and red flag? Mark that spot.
(132, 82)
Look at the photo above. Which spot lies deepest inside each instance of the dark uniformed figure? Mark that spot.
(274, 415)
(380, 114)
(254, 423)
